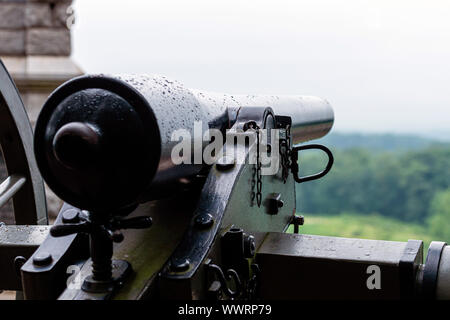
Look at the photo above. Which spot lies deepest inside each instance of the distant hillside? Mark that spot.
(377, 142)
(438, 134)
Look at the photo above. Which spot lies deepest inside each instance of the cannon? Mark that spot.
(174, 193)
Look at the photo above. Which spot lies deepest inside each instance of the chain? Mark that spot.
(285, 153)
(258, 171)
(253, 185)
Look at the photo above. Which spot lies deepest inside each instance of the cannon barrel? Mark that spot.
(312, 117)
(105, 142)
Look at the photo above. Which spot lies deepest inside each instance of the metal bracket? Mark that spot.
(295, 169)
(408, 266)
(44, 274)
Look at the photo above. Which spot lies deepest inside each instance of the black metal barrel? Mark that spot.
(105, 142)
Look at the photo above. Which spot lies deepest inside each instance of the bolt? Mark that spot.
(204, 220)
(179, 265)
(42, 259)
(71, 216)
(225, 163)
(117, 237)
(274, 203)
(298, 221)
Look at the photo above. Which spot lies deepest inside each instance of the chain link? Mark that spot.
(258, 170)
(285, 153)
(253, 185)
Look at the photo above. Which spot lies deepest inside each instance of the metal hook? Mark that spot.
(231, 275)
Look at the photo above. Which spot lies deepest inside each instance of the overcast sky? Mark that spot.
(384, 65)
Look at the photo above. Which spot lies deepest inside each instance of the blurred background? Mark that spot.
(383, 65)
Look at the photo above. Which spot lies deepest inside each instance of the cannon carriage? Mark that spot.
(147, 215)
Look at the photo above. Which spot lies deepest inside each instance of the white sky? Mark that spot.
(384, 65)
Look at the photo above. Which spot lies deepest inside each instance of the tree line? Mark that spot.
(407, 185)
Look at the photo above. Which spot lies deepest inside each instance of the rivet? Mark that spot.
(204, 220)
(225, 163)
(179, 265)
(71, 216)
(42, 259)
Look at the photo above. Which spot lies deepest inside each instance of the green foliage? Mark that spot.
(439, 215)
(394, 184)
(370, 226)
(381, 187)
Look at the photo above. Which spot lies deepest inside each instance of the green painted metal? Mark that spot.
(148, 250)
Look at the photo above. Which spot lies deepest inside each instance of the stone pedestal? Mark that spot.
(35, 46)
